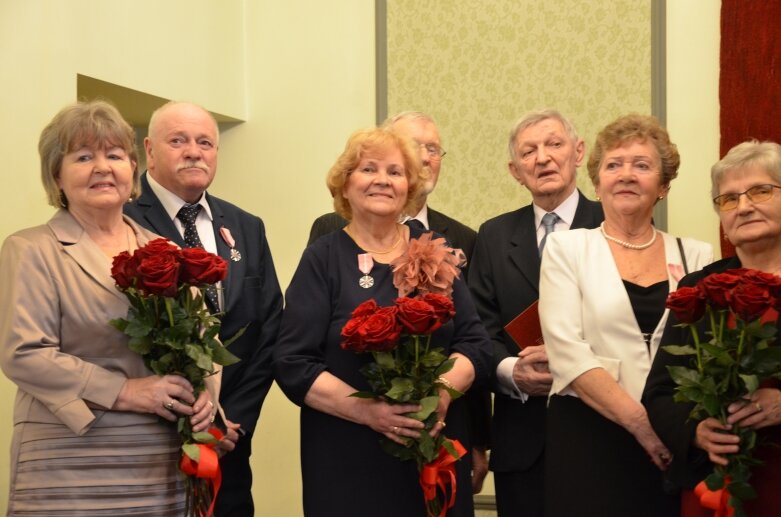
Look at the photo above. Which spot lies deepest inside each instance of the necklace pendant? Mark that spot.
(366, 281)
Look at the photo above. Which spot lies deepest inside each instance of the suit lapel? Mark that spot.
(436, 222)
(83, 250)
(154, 213)
(524, 253)
(587, 214)
(231, 285)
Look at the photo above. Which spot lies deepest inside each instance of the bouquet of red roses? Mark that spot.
(170, 327)
(740, 307)
(406, 368)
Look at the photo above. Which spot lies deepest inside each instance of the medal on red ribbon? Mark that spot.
(365, 265)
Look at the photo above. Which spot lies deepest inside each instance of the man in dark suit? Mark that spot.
(181, 152)
(545, 153)
(422, 129)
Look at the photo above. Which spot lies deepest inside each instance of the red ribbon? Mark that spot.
(717, 500)
(439, 474)
(207, 467)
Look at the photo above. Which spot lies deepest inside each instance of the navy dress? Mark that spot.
(344, 470)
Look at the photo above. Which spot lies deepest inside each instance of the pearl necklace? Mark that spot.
(629, 244)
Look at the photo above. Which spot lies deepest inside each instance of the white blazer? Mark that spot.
(585, 312)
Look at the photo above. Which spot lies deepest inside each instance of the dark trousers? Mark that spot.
(235, 497)
(520, 493)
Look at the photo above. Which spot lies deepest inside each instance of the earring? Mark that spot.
(661, 197)
(599, 198)
(63, 200)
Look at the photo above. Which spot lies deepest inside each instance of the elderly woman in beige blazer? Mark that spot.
(602, 309)
(87, 437)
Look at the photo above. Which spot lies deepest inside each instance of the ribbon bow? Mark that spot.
(207, 466)
(717, 500)
(439, 474)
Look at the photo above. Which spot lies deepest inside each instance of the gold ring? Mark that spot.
(169, 405)
(758, 406)
(442, 423)
(395, 429)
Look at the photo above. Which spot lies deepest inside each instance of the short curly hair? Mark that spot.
(94, 123)
(368, 140)
(635, 128)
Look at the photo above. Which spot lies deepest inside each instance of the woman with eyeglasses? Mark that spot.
(745, 187)
(602, 310)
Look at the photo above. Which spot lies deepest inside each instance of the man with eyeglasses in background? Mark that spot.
(423, 131)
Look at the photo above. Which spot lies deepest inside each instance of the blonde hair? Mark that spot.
(95, 124)
(368, 140)
(631, 128)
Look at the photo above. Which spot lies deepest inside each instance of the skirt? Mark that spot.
(108, 471)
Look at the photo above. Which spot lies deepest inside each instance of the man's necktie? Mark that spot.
(187, 214)
(415, 223)
(548, 222)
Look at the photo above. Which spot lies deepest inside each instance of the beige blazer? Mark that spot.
(56, 343)
(585, 312)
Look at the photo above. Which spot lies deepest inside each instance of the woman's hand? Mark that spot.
(716, 439)
(442, 406)
(389, 419)
(203, 412)
(168, 396)
(648, 440)
(763, 409)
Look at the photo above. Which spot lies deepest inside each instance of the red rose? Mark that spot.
(417, 316)
(367, 308)
(442, 304)
(199, 267)
(772, 282)
(156, 247)
(371, 328)
(749, 301)
(351, 339)
(158, 274)
(687, 303)
(123, 270)
(380, 332)
(717, 287)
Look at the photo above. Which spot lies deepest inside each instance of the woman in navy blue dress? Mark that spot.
(377, 178)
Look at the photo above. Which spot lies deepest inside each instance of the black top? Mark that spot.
(322, 294)
(648, 305)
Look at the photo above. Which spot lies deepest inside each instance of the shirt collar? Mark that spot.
(421, 216)
(565, 211)
(173, 203)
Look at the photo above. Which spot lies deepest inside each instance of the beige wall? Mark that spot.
(301, 73)
(693, 114)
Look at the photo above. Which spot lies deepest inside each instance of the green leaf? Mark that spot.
(426, 447)
(680, 350)
(223, 356)
(192, 451)
(204, 437)
(235, 336)
(742, 490)
(385, 360)
(363, 395)
(715, 480)
(401, 390)
(751, 382)
(137, 328)
(202, 359)
(140, 345)
(445, 367)
(433, 359)
(684, 376)
(429, 404)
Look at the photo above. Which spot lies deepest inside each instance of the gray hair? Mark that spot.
(407, 115)
(535, 117)
(766, 155)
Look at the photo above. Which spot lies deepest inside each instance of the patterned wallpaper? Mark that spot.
(478, 66)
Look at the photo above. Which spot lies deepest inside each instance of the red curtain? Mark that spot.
(750, 79)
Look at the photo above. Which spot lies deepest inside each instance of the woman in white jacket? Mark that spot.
(602, 309)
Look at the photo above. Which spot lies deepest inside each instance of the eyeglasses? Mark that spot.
(433, 150)
(756, 194)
